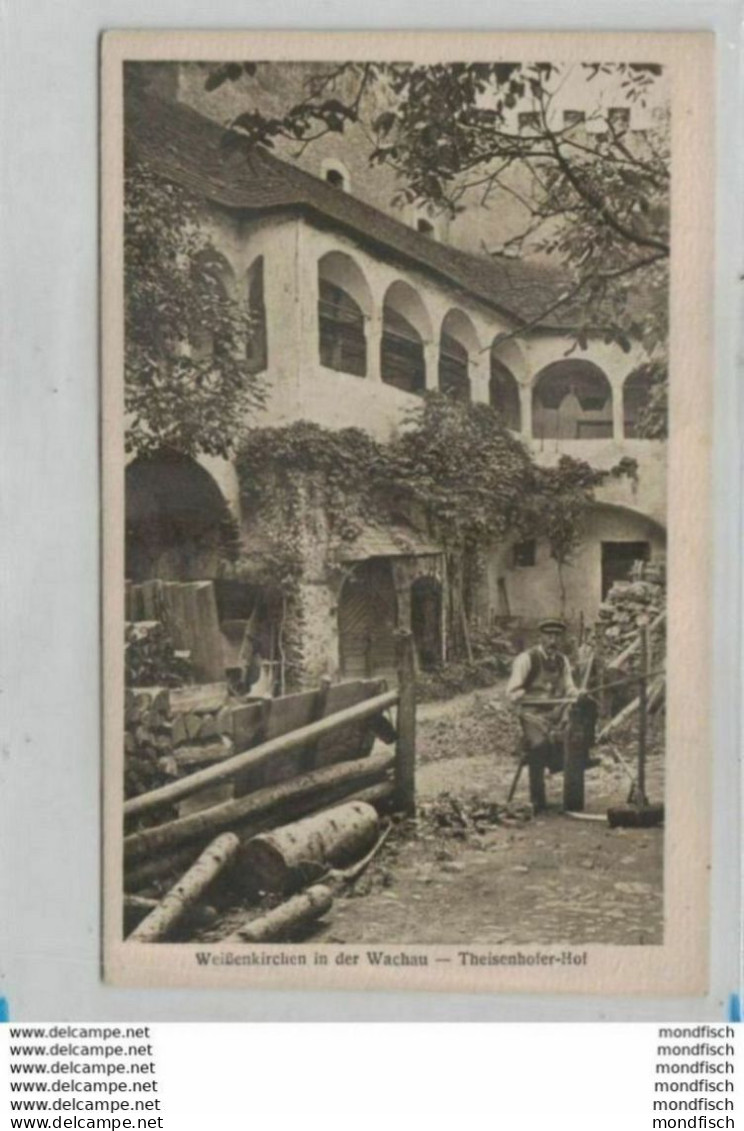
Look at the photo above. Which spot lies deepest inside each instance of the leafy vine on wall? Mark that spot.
(453, 473)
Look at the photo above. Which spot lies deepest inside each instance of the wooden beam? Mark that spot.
(308, 788)
(405, 747)
(187, 892)
(259, 756)
(634, 645)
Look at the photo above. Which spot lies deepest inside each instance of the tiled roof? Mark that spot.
(187, 148)
(391, 542)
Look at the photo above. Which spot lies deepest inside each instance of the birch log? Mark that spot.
(136, 908)
(314, 789)
(144, 873)
(257, 756)
(286, 918)
(279, 859)
(187, 891)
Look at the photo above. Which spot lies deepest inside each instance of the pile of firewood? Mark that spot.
(628, 605)
(265, 798)
(169, 732)
(147, 739)
(201, 726)
(151, 658)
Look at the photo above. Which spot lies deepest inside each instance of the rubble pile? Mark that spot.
(463, 817)
(483, 725)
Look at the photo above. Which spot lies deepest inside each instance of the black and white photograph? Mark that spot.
(409, 593)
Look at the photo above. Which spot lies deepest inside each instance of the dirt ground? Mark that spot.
(467, 871)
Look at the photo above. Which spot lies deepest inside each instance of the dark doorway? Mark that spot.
(426, 621)
(367, 619)
(618, 559)
(178, 526)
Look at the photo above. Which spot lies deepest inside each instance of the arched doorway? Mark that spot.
(367, 619)
(426, 621)
(178, 526)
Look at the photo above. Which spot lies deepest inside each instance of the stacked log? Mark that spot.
(202, 728)
(170, 732)
(147, 739)
(150, 656)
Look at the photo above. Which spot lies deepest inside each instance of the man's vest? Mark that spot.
(546, 678)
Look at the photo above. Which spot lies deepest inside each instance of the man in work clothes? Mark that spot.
(542, 688)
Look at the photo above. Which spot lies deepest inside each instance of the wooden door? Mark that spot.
(367, 618)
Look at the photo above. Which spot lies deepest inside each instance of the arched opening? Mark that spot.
(178, 525)
(572, 400)
(457, 341)
(336, 174)
(215, 283)
(636, 393)
(344, 301)
(367, 619)
(426, 621)
(503, 395)
(405, 326)
(257, 354)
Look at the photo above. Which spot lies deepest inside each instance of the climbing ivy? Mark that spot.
(454, 473)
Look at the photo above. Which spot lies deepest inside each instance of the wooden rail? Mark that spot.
(258, 756)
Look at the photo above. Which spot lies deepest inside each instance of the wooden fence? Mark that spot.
(294, 756)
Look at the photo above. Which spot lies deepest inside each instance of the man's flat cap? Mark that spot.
(552, 624)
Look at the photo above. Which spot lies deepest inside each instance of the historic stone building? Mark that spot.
(359, 313)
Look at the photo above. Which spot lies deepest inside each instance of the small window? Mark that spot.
(524, 553)
(573, 118)
(529, 120)
(336, 178)
(619, 117)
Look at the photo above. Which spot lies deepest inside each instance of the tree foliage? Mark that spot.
(188, 387)
(594, 193)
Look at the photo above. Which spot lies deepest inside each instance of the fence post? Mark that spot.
(601, 672)
(643, 715)
(405, 747)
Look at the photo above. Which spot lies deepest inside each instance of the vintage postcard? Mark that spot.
(407, 383)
